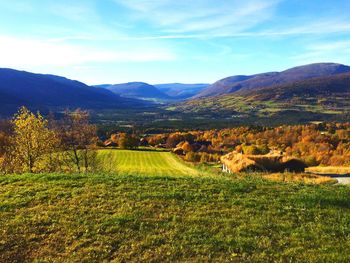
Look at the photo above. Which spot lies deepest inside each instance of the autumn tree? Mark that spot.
(6, 148)
(32, 139)
(187, 147)
(4, 141)
(128, 141)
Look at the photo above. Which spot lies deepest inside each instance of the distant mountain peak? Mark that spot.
(137, 90)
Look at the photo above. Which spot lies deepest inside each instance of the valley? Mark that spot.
(319, 91)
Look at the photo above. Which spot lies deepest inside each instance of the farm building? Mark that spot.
(179, 151)
(109, 143)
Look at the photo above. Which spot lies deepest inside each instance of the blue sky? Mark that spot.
(160, 41)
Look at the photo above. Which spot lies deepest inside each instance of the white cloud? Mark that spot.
(220, 16)
(326, 26)
(205, 19)
(19, 53)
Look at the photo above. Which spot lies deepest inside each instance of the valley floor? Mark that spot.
(143, 215)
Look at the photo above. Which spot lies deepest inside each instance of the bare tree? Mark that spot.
(78, 138)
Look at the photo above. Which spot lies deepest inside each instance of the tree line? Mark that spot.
(31, 143)
(315, 144)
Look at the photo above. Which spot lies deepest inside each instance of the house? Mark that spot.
(109, 143)
(143, 142)
(179, 151)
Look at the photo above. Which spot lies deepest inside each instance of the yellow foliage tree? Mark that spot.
(32, 140)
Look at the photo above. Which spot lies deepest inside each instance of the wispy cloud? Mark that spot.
(19, 53)
(322, 27)
(185, 16)
(337, 51)
(202, 37)
(313, 28)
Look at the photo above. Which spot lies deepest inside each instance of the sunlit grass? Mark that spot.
(145, 162)
(123, 218)
(300, 177)
(341, 170)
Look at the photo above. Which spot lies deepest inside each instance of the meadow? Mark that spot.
(159, 209)
(145, 162)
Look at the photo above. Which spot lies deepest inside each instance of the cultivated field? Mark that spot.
(145, 162)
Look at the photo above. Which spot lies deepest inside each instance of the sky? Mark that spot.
(166, 41)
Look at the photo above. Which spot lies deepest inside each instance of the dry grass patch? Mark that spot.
(301, 177)
(341, 170)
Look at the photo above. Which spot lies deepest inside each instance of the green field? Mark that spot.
(145, 162)
(121, 217)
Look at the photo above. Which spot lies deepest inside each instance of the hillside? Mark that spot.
(139, 90)
(181, 91)
(321, 88)
(124, 217)
(165, 92)
(270, 79)
(44, 92)
(324, 98)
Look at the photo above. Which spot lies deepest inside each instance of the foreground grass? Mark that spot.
(120, 218)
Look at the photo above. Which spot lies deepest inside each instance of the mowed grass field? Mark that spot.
(159, 217)
(145, 162)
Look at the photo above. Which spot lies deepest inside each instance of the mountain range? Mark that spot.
(139, 90)
(241, 83)
(311, 92)
(180, 91)
(322, 85)
(158, 92)
(45, 92)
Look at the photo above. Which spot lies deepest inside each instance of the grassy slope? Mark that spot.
(123, 217)
(252, 106)
(325, 95)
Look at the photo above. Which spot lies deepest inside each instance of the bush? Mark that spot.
(251, 150)
(192, 157)
(311, 161)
